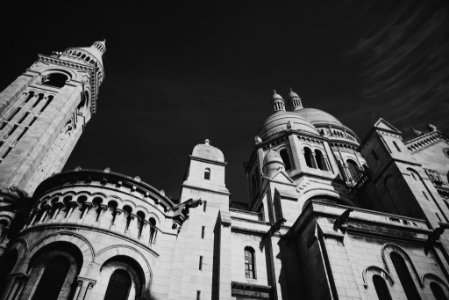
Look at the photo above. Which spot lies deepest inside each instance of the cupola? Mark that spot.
(278, 102)
(295, 100)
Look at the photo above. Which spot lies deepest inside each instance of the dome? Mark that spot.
(207, 151)
(272, 156)
(276, 96)
(283, 120)
(293, 94)
(316, 116)
(272, 162)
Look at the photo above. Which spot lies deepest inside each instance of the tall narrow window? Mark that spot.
(207, 173)
(437, 291)
(204, 206)
(198, 295)
(425, 195)
(286, 159)
(396, 146)
(250, 272)
(52, 279)
(152, 230)
(203, 228)
(119, 286)
(438, 217)
(405, 277)
(309, 158)
(353, 169)
(200, 264)
(320, 160)
(381, 288)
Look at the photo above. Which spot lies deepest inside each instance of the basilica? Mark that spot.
(328, 215)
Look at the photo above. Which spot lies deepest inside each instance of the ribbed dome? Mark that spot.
(281, 121)
(207, 151)
(316, 116)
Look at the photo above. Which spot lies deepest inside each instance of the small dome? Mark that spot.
(281, 121)
(272, 163)
(316, 116)
(272, 156)
(276, 96)
(207, 151)
(293, 94)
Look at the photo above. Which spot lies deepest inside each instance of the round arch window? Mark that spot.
(55, 79)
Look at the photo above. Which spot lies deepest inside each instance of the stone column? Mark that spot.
(71, 207)
(101, 209)
(83, 288)
(145, 234)
(14, 286)
(33, 219)
(87, 208)
(133, 228)
(120, 221)
(79, 283)
(90, 285)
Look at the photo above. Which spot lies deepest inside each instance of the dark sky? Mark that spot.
(179, 73)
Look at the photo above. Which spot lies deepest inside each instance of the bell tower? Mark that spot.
(43, 114)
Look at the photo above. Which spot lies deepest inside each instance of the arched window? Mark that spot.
(353, 169)
(250, 271)
(404, 276)
(119, 286)
(437, 291)
(152, 230)
(207, 173)
(127, 210)
(286, 159)
(309, 158)
(381, 288)
(320, 160)
(57, 80)
(141, 220)
(52, 279)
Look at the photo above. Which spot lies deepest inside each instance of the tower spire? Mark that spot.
(278, 102)
(295, 100)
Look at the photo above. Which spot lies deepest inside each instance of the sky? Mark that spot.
(178, 73)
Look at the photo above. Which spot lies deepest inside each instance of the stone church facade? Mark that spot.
(329, 216)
